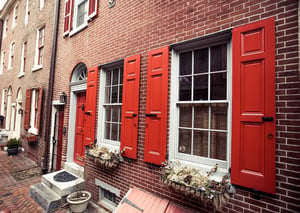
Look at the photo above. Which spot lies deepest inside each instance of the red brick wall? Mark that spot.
(19, 34)
(136, 27)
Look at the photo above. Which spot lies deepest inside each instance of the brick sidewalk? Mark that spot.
(17, 174)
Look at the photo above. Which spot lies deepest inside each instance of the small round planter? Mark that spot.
(12, 151)
(79, 201)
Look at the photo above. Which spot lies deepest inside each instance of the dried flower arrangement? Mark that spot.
(194, 183)
(104, 157)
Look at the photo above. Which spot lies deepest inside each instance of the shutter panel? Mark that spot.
(253, 96)
(27, 109)
(39, 109)
(129, 126)
(93, 6)
(156, 106)
(68, 16)
(90, 108)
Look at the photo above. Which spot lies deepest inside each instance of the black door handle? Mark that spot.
(87, 113)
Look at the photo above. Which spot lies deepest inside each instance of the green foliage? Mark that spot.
(13, 143)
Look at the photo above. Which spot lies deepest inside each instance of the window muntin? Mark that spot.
(113, 104)
(203, 105)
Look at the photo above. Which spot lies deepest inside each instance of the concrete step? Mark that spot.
(45, 197)
(63, 188)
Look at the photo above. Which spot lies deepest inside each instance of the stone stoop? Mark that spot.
(51, 194)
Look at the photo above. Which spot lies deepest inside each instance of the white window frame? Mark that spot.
(75, 28)
(111, 144)
(42, 4)
(5, 27)
(23, 59)
(3, 102)
(202, 163)
(15, 17)
(35, 92)
(26, 13)
(107, 203)
(36, 66)
(2, 62)
(11, 54)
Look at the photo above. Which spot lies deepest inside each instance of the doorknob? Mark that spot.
(270, 135)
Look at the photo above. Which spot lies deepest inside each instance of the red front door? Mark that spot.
(79, 129)
(60, 138)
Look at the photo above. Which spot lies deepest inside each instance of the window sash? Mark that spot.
(175, 132)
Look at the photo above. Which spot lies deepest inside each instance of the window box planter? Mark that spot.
(192, 183)
(103, 157)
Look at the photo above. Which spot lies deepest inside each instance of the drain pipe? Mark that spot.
(50, 88)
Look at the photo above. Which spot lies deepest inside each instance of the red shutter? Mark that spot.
(90, 108)
(39, 109)
(68, 16)
(27, 109)
(130, 106)
(253, 109)
(157, 106)
(93, 5)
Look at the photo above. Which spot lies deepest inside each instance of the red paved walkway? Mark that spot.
(17, 174)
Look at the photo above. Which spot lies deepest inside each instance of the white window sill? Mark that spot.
(78, 29)
(21, 75)
(33, 131)
(36, 67)
(9, 68)
(111, 147)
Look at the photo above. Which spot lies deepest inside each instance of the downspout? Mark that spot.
(50, 87)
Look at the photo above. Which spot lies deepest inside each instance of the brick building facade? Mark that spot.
(116, 38)
(24, 76)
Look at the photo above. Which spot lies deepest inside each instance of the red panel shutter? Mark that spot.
(27, 109)
(253, 108)
(157, 106)
(93, 5)
(68, 16)
(39, 109)
(90, 109)
(130, 106)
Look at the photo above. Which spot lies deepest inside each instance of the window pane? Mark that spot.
(200, 147)
(108, 78)
(201, 116)
(114, 132)
(219, 116)
(201, 87)
(218, 145)
(115, 114)
(218, 86)
(115, 77)
(185, 138)
(185, 67)
(107, 131)
(218, 58)
(185, 116)
(107, 95)
(201, 61)
(185, 91)
(120, 94)
(81, 13)
(107, 113)
(114, 94)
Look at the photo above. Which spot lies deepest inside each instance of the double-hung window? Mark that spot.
(23, 59)
(111, 105)
(39, 52)
(15, 17)
(201, 105)
(5, 27)
(11, 55)
(2, 62)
